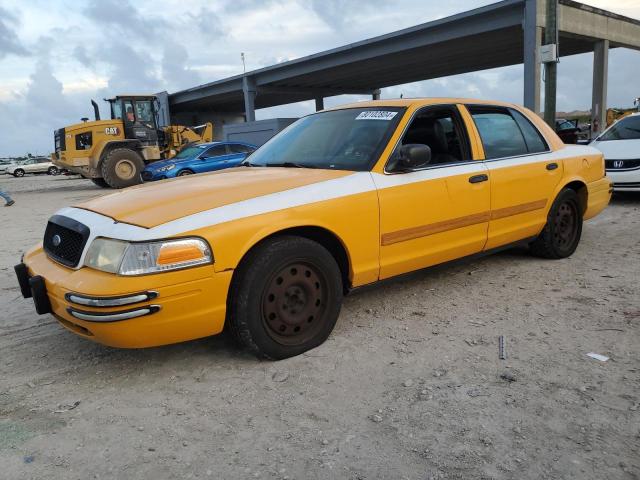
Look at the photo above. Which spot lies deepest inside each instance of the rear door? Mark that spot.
(441, 211)
(237, 153)
(524, 174)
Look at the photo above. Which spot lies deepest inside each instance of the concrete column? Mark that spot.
(249, 92)
(599, 89)
(375, 95)
(532, 42)
(319, 104)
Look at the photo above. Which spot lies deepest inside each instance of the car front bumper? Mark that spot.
(625, 181)
(143, 311)
(148, 176)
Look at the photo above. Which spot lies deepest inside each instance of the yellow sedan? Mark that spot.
(340, 199)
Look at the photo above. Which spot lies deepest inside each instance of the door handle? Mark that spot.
(552, 166)
(478, 178)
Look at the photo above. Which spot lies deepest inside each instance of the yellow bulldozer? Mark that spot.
(113, 153)
(615, 114)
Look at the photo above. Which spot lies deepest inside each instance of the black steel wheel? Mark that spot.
(294, 303)
(561, 234)
(285, 297)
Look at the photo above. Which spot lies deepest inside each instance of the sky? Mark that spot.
(56, 55)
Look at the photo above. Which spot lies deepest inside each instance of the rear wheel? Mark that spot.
(100, 182)
(52, 171)
(285, 297)
(561, 234)
(122, 168)
(18, 172)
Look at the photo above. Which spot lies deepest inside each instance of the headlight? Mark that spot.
(166, 167)
(123, 258)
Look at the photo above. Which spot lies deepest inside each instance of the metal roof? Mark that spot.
(479, 39)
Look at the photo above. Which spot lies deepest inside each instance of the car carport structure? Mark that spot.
(501, 34)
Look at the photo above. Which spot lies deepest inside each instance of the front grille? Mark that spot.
(622, 164)
(64, 240)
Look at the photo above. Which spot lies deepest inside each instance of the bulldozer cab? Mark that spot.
(138, 115)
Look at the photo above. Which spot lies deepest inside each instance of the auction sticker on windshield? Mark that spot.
(376, 115)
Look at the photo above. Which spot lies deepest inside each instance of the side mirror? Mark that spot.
(411, 156)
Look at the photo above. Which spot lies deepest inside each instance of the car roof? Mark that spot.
(226, 142)
(408, 102)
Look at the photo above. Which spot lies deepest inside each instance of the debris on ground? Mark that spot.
(508, 377)
(597, 356)
(67, 408)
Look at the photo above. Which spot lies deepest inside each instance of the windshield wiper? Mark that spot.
(289, 165)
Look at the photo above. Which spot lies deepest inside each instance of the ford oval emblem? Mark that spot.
(56, 240)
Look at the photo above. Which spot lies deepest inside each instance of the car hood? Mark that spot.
(618, 149)
(153, 204)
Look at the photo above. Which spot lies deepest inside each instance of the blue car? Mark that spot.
(204, 157)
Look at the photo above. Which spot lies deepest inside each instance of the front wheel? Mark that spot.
(18, 173)
(184, 173)
(561, 234)
(285, 297)
(122, 167)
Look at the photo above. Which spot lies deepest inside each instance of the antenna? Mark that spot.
(244, 67)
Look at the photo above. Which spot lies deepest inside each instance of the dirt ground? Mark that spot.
(409, 385)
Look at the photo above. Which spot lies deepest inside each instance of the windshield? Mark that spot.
(566, 125)
(189, 152)
(349, 139)
(625, 129)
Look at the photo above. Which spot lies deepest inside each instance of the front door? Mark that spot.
(214, 158)
(139, 121)
(524, 173)
(441, 211)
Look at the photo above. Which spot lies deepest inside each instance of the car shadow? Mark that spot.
(625, 198)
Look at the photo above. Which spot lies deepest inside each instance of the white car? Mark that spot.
(620, 144)
(32, 165)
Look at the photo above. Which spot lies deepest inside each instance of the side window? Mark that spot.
(215, 151)
(143, 111)
(443, 131)
(238, 148)
(501, 136)
(128, 111)
(532, 137)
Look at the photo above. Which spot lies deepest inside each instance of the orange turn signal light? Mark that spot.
(179, 253)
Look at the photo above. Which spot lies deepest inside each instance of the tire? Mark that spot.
(122, 168)
(52, 171)
(100, 182)
(285, 297)
(561, 234)
(184, 173)
(18, 172)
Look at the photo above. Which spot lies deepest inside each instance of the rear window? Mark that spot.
(626, 129)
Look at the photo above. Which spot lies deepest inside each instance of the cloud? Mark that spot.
(9, 42)
(339, 13)
(125, 18)
(175, 70)
(49, 73)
